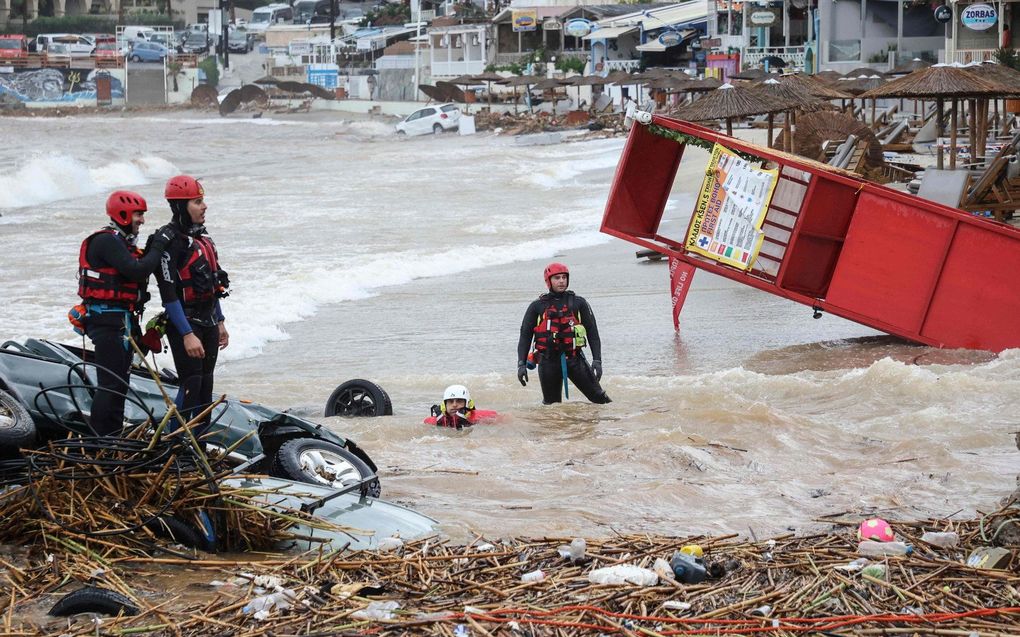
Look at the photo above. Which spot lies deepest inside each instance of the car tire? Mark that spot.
(17, 430)
(176, 529)
(437, 128)
(322, 463)
(402, 133)
(92, 599)
(359, 397)
(135, 58)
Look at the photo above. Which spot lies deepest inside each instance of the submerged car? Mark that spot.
(53, 386)
(431, 119)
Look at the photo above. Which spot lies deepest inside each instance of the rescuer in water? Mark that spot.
(561, 323)
(113, 277)
(458, 410)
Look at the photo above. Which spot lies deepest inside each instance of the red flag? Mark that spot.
(681, 274)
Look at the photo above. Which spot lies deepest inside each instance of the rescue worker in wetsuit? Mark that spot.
(560, 323)
(113, 277)
(191, 285)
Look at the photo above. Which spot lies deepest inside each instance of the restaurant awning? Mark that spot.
(654, 46)
(609, 33)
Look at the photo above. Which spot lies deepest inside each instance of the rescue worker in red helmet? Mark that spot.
(113, 277)
(560, 324)
(191, 284)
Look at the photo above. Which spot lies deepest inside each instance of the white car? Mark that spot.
(431, 119)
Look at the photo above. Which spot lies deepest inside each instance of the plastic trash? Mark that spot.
(377, 610)
(944, 539)
(623, 574)
(663, 570)
(573, 551)
(873, 548)
(533, 576)
(461, 630)
(673, 604)
(262, 606)
(693, 550)
(686, 568)
(856, 565)
(874, 570)
(388, 544)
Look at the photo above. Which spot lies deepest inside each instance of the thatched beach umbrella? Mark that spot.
(1007, 79)
(526, 81)
(866, 71)
(827, 77)
(910, 67)
(488, 77)
(727, 102)
(814, 129)
(589, 80)
(749, 74)
(794, 95)
(812, 86)
(267, 80)
(939, 81)
(857, 85)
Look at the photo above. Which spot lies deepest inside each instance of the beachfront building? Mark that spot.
(522, 33)
(752, 32)
(977, 29)
(456, 48)
(663, 35)
(877, 33)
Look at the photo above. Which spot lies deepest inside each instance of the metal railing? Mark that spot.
(966, 56)
(42, 60)
(792, 55)
(623, 65)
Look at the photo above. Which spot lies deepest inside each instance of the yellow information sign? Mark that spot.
(727, 220)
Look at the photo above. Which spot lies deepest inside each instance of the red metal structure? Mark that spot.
(898, 263)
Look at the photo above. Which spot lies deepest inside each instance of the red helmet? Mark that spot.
(122, 204)
(555, 268)
(183, 187)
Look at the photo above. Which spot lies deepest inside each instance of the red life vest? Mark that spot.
(459, 421)
(554, 332)
(106, 284)
(199, 274)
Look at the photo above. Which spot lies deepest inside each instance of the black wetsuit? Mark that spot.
(107, 325)
(196, 375)
(550, 370)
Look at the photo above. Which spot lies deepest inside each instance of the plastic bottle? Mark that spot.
(687, 569)
(577, 548)
(871, 547)
(533, 576)
(945, 539)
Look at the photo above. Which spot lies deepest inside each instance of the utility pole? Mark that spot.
(332, 22)
(417, 49)
(224, 33)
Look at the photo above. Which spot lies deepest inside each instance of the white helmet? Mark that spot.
(457, 391)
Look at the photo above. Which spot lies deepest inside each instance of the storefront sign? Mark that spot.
(578, 27)
(979, 17)
(669, 38)
(551, 25)
(711, 43)
(762, 18)
(524, 19)
(943, 14)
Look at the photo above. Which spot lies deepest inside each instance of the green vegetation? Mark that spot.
(212, 71)
(1008, 57)
(571, 63)
(388, 14)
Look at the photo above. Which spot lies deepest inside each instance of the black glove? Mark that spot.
(522, 373)
(436, 411)
(162, 237)
(596, 366)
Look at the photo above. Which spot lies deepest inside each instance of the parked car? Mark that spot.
(195, 43)
(148, 52)
(48, 391)
(240, 41)
(264, 17)
(57, 53)
(431, 119)
(13, 46)
(77, 45)
(107, 48)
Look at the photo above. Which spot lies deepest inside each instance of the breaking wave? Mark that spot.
(47, 178)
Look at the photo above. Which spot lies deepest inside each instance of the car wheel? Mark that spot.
(92, 599)
(358, 398)
(176, 529)
(437, 128)
(16, 427)
(135, 58)
(324, 463)
(402, 132)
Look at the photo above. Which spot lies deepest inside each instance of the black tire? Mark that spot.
(437, 129)
(93, 600)
(135, 58)
(16, 427)
(176, 529)
(294, 462)
(359, 397)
